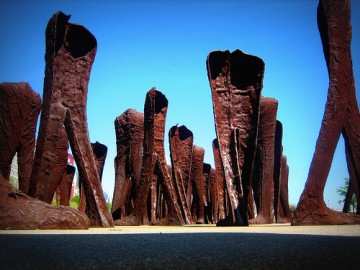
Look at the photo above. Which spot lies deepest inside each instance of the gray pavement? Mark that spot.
(200, 247)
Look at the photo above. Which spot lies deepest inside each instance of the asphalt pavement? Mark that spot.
(183, 248)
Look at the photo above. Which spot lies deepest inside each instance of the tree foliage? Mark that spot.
(342, 191)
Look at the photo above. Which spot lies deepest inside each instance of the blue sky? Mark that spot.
(142, 44)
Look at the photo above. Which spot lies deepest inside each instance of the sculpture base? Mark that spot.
(315, 212)
(21, 212)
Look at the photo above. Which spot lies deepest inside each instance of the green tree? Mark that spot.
(342, 191)
(14, 182)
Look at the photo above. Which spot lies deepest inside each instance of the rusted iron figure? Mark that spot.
(100, 153)
(70, 52)
(223, 199)
(181, 144)
(197, 182)
(284, 211)
(129, 130)
(63, 191)
(341, 116)
(277, 165)
(154, 167)
(19, 110)
(236, 83)
(263, 177)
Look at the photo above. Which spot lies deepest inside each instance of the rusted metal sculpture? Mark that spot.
(284, 211)
(214, 197)
(223, 201)
(206, 193)
(263, 178)
(341, 116)
(236, 83)
(154, 167)
(100, 153)
(277, 165)
(63, 191)
(19, 211)
(197, 181)
(181, 144)
(47, 191)
(70, 52)
(19, 110)
(129, 130)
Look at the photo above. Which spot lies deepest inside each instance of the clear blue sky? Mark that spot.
(142, 44)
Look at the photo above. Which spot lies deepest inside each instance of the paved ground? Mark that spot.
(188, 247)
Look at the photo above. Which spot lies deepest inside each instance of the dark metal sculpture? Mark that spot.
(263, 177)
(284, 211)
(63, 192)
(100, 153)
(70, 52)
(129, 129)
(341, 116)
(277, 165)
(155, 171)
(181, 144)
(197, 182)
(236, 83)
(19, 110)
(223, 200)
(19, 211)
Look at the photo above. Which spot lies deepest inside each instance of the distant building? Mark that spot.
(75, 185)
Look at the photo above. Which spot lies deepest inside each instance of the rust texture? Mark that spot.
(19, 212)
(213, 197)
(19, 110)
(47, 190)
(277, 165)
(129, 130)
(155, 172)
(100, 153)
(223, 202)
(156, 104)
(206, 192)
(263, 178)
(63, 191)
(181, 144)
(284, 215)
(236, 83)
(70, 52)
(197, 179)
(341, 116)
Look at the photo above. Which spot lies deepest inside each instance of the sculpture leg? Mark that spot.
(121, 188)
(284, 215)
(220, 180)
(214, 195)
(335, 31)
(27, 145)
(277, 166)
(51, 153)
(63, 190)
(198, 178)
(99, 151)
(265, 155)
(20, 107)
